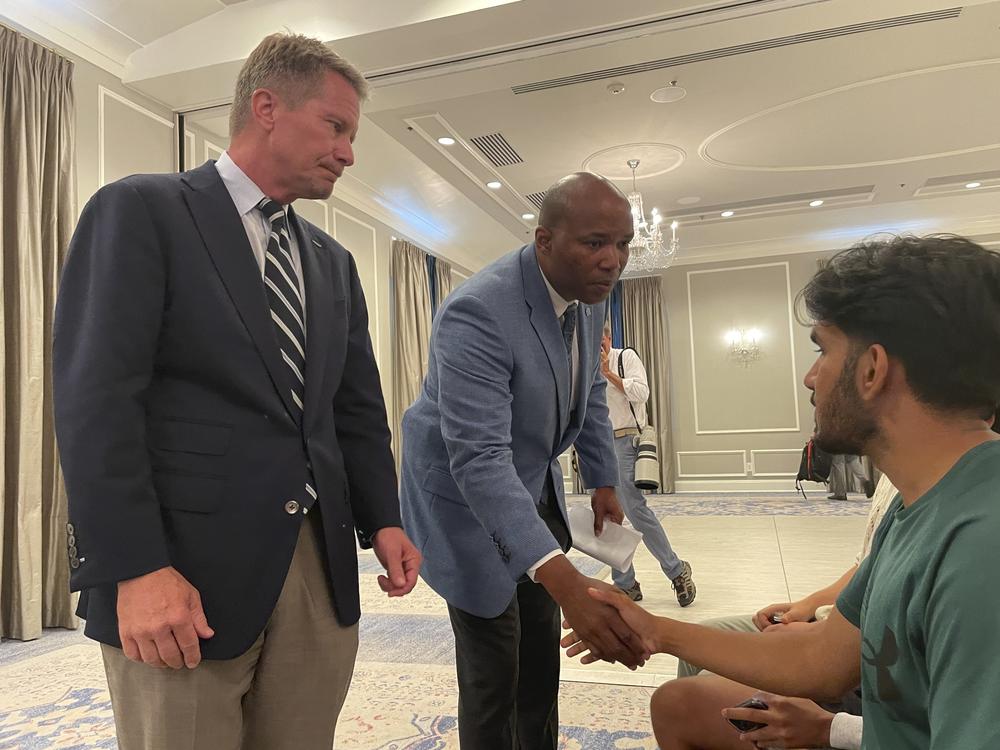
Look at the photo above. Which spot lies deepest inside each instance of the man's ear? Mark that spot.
(263, 104)
(873, 372)
(543, 239)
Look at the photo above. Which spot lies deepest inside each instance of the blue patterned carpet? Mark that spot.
(53, 694)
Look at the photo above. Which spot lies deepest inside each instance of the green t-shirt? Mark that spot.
(927, 602)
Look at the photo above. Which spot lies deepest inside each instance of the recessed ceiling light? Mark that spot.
(972, 185)
(667, 94)
(446, 141)
(527, 217)
(689, 200)
(494, 185)
(726, 214)
(816, 203)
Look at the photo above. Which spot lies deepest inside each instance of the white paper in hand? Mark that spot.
(615, 546)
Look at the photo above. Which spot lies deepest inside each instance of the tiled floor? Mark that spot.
(745, 553)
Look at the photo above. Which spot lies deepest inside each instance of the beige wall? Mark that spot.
(734, 427)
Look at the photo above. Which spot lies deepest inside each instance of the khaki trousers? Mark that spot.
(285, 692)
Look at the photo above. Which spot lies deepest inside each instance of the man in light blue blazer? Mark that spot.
(513, 381)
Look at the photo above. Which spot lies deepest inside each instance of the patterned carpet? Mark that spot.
(53, 692)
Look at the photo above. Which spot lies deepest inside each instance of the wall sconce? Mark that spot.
(744, 346)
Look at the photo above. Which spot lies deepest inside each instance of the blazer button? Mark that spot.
(74, 563)
(72, 552)
(71, 541)
(69, 529)
(291, 507)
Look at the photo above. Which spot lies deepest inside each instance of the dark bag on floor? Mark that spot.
(814, 467)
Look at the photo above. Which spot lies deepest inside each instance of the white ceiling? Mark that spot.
(884, 110)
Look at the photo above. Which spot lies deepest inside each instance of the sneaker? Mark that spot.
(683, 586)
(869, 488)
(633, 592)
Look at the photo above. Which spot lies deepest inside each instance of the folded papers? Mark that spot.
(615, 546)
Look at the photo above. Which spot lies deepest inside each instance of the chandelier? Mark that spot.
(648, 252)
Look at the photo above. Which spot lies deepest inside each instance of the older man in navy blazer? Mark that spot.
(222, 431)
(513, 381)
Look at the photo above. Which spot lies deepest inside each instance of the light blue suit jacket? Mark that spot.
(492, 418)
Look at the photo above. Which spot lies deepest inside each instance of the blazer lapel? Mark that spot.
(546, 325)
(319, 314)
(226, 241)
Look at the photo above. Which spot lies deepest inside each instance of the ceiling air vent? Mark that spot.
(739, 49)
(536, 199)
(497, 149)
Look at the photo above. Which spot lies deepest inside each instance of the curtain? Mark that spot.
(411, 317)
(442, 282)
(37, 215)
(644, 318)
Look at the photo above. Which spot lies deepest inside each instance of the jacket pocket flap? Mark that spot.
(441, 484)
(192, 437)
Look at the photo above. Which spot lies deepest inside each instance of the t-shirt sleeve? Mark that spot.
(962, 620)
(850, 599)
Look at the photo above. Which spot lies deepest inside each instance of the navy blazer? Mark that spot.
(175, 428)
(491, 420)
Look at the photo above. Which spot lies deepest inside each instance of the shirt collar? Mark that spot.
(244, 191)
(558, 303)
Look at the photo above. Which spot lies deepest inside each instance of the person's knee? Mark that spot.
(670, 707)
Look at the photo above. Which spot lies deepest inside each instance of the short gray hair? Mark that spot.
(607, 327)
(293, 66)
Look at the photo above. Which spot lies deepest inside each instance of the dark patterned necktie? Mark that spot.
(281, 283)
(568, 327)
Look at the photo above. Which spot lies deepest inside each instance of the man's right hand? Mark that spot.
(785, 613)
(160, 619)
(600, 625)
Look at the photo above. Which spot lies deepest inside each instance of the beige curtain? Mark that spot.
(644, 319)
(37, 215)
(442, 277)
(411, 316)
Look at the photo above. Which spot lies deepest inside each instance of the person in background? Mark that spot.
(628, 391)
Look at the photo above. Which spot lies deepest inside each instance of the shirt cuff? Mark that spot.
(534, 568)
(845, 732)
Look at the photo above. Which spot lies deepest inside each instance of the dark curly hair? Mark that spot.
(934, 304)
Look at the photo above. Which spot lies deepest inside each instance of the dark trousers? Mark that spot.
(508, 666)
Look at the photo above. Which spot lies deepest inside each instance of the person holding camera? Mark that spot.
(627, 392)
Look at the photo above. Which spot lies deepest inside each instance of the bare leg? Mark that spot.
(687, 713)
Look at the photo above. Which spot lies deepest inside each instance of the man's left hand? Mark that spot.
(400, 559)
(605, 505)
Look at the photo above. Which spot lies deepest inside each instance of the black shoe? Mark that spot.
(869, 488)
(683, 586)
(633, 592)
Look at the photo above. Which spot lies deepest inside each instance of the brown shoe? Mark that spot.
(683, 586)
(633, 592)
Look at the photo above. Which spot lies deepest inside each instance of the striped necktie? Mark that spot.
(284, 298)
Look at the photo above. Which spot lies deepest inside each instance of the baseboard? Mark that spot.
(744, 486)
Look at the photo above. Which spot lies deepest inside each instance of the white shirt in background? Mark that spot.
(636, 390)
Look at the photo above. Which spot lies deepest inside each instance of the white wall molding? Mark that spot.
(797, 452)
(682, 475)
(103, 94)
(375, 271)
(791, 345)
(210, 147)
(747, 486)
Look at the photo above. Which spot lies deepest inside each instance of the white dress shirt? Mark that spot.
(636, 390)
(246, 195)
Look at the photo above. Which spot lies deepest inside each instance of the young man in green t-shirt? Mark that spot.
(908, 337)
